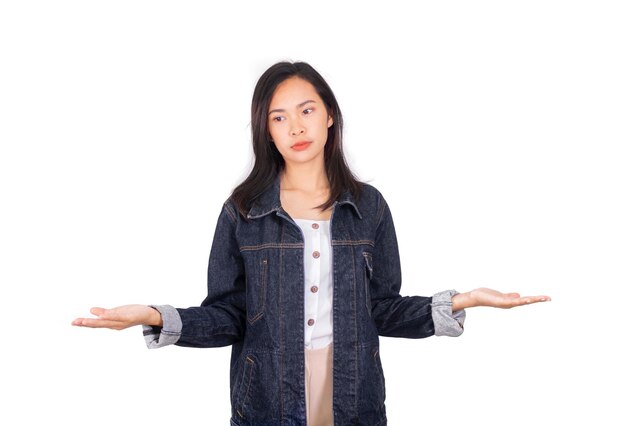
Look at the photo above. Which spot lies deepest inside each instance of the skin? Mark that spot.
(297, 113)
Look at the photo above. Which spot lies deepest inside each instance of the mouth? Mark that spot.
(301, 145)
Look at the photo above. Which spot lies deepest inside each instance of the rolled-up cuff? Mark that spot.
(447, 323)
(157, 337)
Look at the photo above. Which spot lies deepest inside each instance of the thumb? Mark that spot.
(99, 312)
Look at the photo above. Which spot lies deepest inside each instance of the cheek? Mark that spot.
(322, 125)
(273, 130)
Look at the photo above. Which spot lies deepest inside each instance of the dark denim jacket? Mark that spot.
(255, 303)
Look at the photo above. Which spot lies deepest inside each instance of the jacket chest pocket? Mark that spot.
(256, 287)
(368, 273)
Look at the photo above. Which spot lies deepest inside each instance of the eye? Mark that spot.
(308, 111)
(278, 118)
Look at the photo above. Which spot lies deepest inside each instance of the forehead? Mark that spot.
(293, 91)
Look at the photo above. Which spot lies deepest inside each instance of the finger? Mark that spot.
(512, 303)
(534, 299)
(512, 295)
(527, 300)
(99, 323)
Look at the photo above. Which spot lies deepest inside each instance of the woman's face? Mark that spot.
(298, 122)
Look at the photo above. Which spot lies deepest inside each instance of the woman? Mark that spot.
(304, 274)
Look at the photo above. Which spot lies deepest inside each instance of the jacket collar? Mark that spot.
(269, 201)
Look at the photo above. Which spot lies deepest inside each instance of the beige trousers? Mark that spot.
(318, 369)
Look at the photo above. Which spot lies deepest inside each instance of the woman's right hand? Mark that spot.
(121, 317)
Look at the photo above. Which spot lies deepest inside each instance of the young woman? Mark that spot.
(304, 274)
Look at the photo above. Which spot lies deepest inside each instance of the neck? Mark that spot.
(304, 177)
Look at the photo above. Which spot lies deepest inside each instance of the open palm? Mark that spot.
(120, 317)
(488, 297)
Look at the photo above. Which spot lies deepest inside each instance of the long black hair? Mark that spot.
(268, 162)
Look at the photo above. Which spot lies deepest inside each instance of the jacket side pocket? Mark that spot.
(379, 369)
(244, 386)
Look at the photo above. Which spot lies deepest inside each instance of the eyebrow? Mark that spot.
(300, 105)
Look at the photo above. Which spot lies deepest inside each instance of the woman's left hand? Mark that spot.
(488, 297)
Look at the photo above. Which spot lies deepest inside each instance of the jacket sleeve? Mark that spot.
(408, 316)
(221, 318)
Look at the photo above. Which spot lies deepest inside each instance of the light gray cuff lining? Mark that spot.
(447, 323)
(157, 337)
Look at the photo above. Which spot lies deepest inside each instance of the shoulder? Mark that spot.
(370, 193)
(230, 209)
(372, 202)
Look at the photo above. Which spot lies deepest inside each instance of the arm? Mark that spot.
(416, 316)
(221, 318)
(219, 321)
(394, 315)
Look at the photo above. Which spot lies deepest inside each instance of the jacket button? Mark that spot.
(311, 321)
(314, 289)
(315, 226)
(316, 254)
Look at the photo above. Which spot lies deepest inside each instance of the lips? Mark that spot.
(301, 145)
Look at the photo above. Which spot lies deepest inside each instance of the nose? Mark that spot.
(296, 128)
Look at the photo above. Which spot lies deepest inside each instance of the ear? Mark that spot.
(330, 120)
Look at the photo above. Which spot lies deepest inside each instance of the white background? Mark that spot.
(495, 130)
